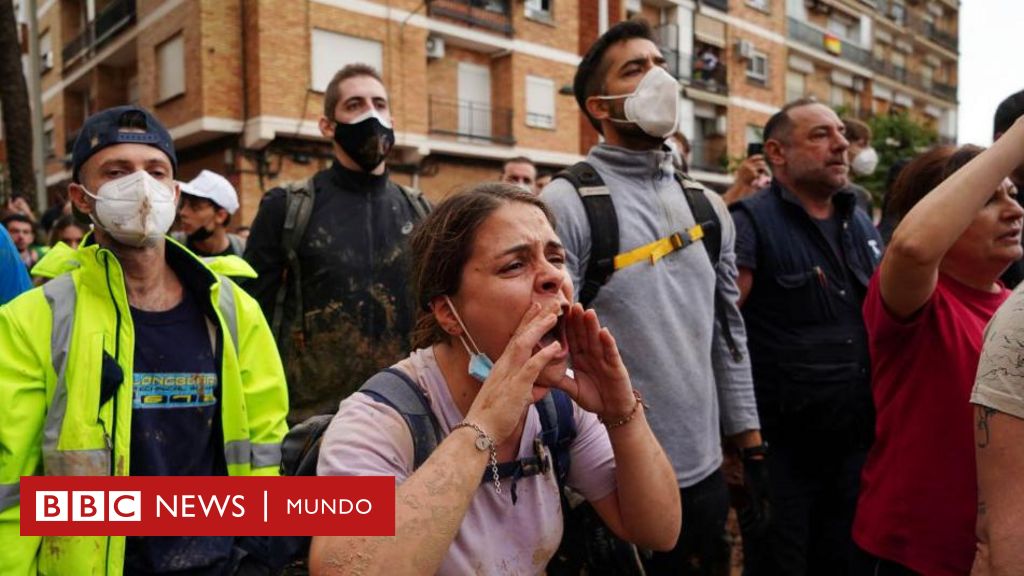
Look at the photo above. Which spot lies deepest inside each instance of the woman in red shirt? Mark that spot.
(925, 311)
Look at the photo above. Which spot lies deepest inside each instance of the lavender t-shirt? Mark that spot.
(367, 438)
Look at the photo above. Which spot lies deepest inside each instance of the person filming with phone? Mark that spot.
(752, 175)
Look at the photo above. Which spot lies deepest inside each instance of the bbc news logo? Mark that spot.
(207, 506)
(88, 506)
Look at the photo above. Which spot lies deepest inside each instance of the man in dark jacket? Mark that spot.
(805, 256)
(351, 314)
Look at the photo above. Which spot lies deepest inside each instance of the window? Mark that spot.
(540, 102)
(757, 68)
(927, 75)
(837, 97)
(333, 51)
(45, 52)
(132, 90)
(170, 62)
(898, 12)
(762, 5)
(899, 64)
(796, 85)
(755, 134)
(48, 137)
(539, 9)
(497, 6)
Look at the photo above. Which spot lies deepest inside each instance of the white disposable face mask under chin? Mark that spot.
(136, 209)
(654, 105)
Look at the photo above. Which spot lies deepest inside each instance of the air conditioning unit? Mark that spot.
(46, 61)
(435, 47)
(745, 49)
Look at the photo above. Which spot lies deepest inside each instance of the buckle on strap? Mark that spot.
(659, 248)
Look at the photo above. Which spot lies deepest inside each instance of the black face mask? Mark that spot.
(367, 142)
(201, 233)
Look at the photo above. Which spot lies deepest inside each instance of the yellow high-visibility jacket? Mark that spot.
(52, 341)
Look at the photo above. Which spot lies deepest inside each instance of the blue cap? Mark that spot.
(120, 125)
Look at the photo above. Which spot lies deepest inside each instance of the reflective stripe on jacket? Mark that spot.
(53, 340)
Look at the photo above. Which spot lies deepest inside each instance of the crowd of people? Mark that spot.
(566, 373)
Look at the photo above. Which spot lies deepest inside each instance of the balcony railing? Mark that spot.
(944, 91)
(887, 69)
(117, 16)
(715, 79)
(667, 36)
(929, 29)
(709, 158)
(494, 15)
(470, 120)
(722, 5)
(814, 37)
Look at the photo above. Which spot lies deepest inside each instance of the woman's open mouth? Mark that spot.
(557, 333)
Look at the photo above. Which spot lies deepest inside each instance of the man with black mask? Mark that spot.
(331, 254)
(207, 204)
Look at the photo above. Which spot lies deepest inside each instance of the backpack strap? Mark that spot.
(705, 215)
(394, 388)
(299, 199)
(558, 430)
(604, 227)
(419, 203)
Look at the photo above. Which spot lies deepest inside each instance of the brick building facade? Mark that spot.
(472, 82)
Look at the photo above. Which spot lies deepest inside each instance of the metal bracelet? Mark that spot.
(490, 444)
(626, 419)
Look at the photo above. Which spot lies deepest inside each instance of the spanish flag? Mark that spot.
(833, 45)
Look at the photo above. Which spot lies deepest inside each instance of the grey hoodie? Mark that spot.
(663, 315)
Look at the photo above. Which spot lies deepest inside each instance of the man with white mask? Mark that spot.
(863, 160)
(331, 254)
(137, 360)
(672, 308)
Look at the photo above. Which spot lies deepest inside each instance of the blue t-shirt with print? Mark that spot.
(176, 428)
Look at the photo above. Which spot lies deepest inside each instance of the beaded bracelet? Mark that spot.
(625, 419)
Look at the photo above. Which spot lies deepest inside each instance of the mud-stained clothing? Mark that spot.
(357, 311)
(368, 438)
(175, 399)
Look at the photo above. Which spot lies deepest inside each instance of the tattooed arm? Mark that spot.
(999, 439)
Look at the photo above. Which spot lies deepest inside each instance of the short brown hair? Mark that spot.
(924, 173)
(518, 160)
(331, 95)
(443, 242)
(780, 124)
(857, 131)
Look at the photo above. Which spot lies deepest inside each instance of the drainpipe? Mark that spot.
(35, 87)
(602, 16)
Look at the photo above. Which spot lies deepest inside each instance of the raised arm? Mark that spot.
(910, 267)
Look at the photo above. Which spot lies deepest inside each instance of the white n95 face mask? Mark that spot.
(865, 162)
(136, 209)
(654, 105)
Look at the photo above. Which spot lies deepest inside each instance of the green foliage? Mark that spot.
(894, 137)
